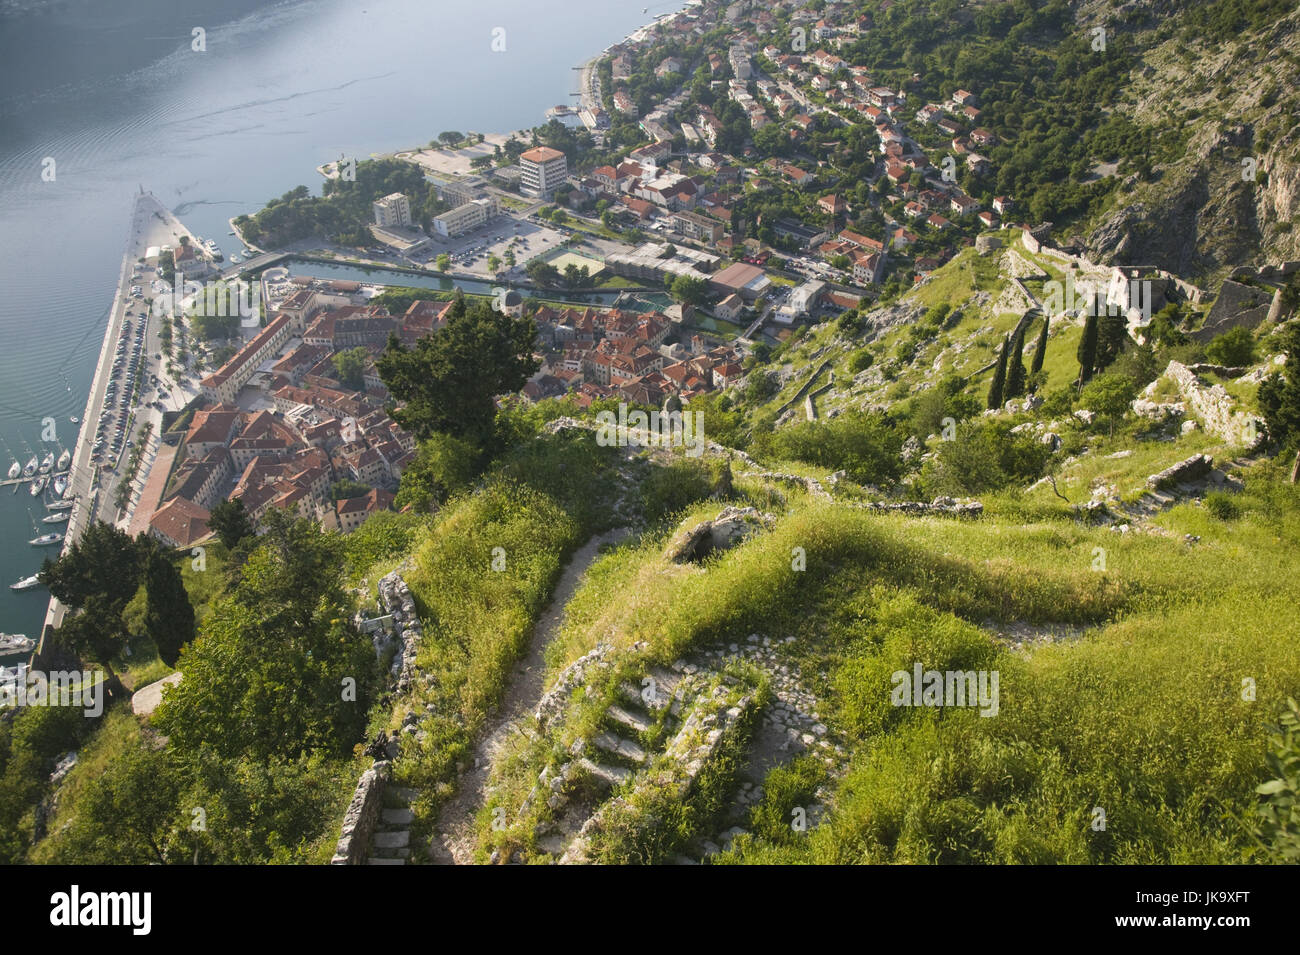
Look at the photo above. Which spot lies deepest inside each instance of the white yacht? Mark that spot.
(30, 468)
(11, 643)
(58, 517)
(39, 485)
(45, 540)
(47, 462)
(64, 460)
(15, 469)
(66, 505)
(27, 583)
(60, 485)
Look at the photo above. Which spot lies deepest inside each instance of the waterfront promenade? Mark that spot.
(152, 224)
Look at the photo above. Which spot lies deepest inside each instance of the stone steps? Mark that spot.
(633, 721)
(618, 746)
(610, 775)
(390, 843)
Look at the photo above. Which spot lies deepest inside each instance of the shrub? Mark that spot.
(861, 360)
(1233, 348)
(865, 444)
(985, 456)
(1222, 505)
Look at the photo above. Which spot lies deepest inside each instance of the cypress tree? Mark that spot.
(1088, 349)
(1040, 350)
(1112, 332)
(999, 378)
(168, 616)
(1016, 368)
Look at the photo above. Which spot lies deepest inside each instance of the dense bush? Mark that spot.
(984, 456)
(863, 443)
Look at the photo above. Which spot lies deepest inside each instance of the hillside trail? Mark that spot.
(456, 835)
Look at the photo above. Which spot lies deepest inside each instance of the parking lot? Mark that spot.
(470, 252)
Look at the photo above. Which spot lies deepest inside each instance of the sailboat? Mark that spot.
(27, 583)
(15, 469)
(30, 468)
(58, 517)
(39, 485)
(60, 485)
(47, 462)
(66, 505)
(45, 540)
(64, 460)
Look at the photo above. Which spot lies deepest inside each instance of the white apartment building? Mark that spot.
(392, 210)
(467, 217)
(544, 170)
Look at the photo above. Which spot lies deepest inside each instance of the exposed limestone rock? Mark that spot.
(1214, 406)
(1192, 469)
(732, 526)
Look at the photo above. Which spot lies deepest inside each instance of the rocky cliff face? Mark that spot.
(1232, 198)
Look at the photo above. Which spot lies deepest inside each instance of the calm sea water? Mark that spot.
(116, 97)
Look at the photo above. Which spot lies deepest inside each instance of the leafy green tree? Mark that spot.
(443, 465)
(1233, 348)
(1109, 394)
(96, 633)
(543, 273)
(344, 489)
(998, 384)
(229, 520)
(128, 815)
(350, 364)
(443, 262)
(689, 289)
(984, 456)
(1279, 394)
(449, 382)
(1276, 827)
(169, 616)
(279, 670)
(103, 564)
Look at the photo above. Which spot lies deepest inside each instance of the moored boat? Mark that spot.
(39, 485)
(60, 485)
(15, 469)
(47, 462)
(30, 468)
(56, 518)
(11, 643)
(64, 460)
(45, 540)
(27, 583)
(61, 505)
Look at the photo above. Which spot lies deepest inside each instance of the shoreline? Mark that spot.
(85, 476)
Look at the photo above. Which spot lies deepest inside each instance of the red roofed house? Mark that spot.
(180, 523)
